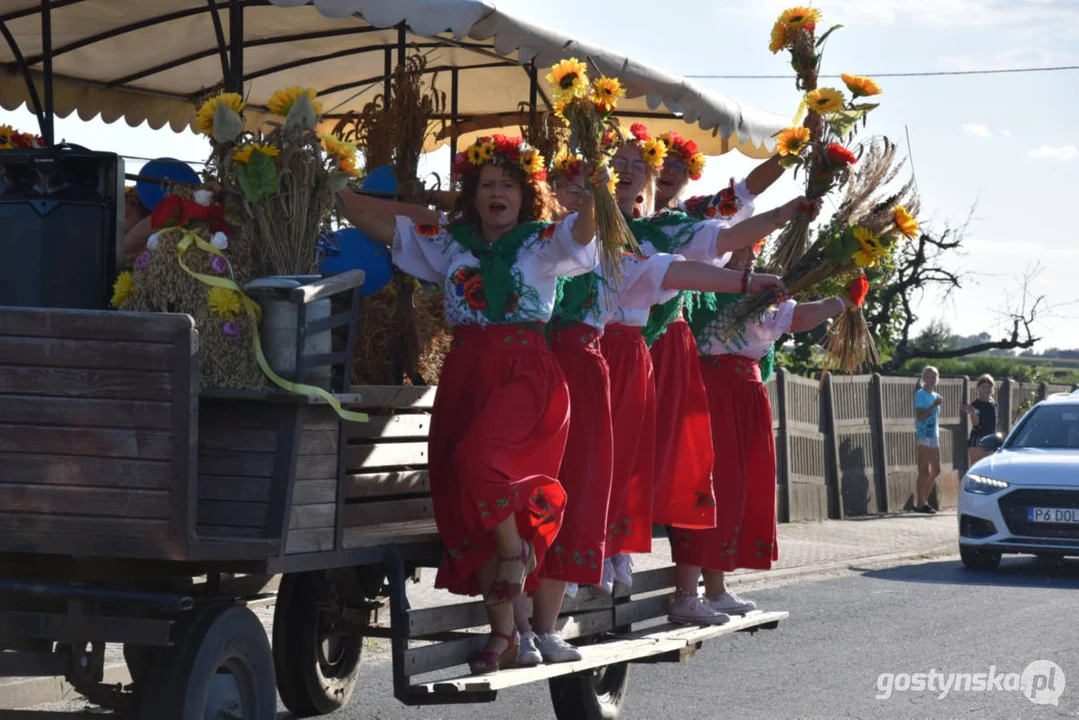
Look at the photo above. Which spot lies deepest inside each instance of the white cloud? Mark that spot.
(1064, 153)
(1003, 247)
(977, 130)
(1006, 133)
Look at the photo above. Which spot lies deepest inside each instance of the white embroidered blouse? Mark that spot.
(752, 341)
(430, 253)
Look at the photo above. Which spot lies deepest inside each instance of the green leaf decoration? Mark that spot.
(243, 177)
(227, 124)
(822, 38)
(338, 180)
(843, 122)
(302, 114)
(842, 246)
(262, 174)
(789, 161)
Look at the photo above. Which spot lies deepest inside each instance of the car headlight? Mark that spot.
(982, 485)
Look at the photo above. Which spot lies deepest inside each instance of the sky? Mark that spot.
(999, 149)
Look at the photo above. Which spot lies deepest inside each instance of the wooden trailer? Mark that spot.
(141, 512)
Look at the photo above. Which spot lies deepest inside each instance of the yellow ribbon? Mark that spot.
(255, 313)
(801, 110)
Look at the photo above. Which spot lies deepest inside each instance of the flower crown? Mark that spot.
(653, 150)
(499, 147)
(566, 165)
(12, 139)
(693, 157)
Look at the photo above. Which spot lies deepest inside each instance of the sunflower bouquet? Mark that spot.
(588, 109)
(278, 181)
(12, 139)
(819, 147)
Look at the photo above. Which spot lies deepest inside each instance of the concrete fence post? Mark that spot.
(962, 459)
(1004, 406)
(880, 448)
(833, 474)
(783, 455)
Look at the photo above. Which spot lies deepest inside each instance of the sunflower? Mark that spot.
(570, 80)
(792, 141)
(336, 147)
(905, 222)
(801, 17)
(243, 155)
(654, 152)
(6, 134)
(779, 38)
(486, 150)
(860, 86)
(282, 100)
(223, 302)
(872, 250)
(532, 162)
(695, 165)
(606, 92)
(561, 160)
(825, 100)
(560, 108)
(475, 157)
(204, 119)
(121, 289)
(348, 166)
(613, 184)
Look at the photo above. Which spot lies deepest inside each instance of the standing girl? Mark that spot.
(983, 414)
(927, 404)
(501, 414)
(744, 474)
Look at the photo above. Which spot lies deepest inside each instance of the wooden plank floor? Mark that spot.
(634, 646)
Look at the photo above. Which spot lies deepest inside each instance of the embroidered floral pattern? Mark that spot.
(460, 550)
(704, 499)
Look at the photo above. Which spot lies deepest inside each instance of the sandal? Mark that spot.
(489, 661)
(504, 591)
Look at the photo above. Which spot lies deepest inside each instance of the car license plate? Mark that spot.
(1053, 515)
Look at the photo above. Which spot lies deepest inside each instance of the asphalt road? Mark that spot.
(918, 623)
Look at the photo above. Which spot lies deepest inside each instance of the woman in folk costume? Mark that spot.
(567, 181)
(675, 488)
(744, 476)
(501, 414)
(588, 304)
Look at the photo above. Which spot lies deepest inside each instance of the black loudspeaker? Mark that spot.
(61, 227)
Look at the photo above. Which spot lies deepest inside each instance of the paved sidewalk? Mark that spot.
(804, 549)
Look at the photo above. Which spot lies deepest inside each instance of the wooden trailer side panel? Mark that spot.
(97, 432)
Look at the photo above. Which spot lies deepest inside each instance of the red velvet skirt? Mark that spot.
(683, 482)
(577, 553)
(498, 431)
(745, 472)
(633, 415)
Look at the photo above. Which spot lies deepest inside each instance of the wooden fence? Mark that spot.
(845, 447)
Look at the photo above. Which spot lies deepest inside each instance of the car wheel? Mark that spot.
(976, 559)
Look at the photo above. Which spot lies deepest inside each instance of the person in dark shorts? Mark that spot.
(983, 414)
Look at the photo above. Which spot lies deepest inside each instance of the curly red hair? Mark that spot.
(536, 201)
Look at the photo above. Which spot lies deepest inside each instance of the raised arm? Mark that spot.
(703, 277)
(135, 238)
(753, 229)
(584, 229)
(809, 315)
(370, 215)
(764, 175)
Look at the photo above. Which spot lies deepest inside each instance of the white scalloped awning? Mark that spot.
(153, 60)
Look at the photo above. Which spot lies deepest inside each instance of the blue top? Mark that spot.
(927, 428)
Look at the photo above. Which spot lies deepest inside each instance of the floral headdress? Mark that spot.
(565, 164)
(692, 156)
(653, 150)
(500, 148)
(12, 139)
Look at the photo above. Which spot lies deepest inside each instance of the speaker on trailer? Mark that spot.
(61, 227)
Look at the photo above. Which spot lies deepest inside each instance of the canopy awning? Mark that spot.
(155, 60)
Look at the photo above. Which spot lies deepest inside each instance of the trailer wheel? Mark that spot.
(593, 695)
(316, 664)
(223, 668)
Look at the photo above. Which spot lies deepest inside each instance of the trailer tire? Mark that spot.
(187, 682)
(592, 695)
(316, 672)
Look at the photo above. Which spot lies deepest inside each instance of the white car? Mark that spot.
(1024, 498)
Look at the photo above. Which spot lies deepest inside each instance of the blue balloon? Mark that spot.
(151, 193)
(351, 249)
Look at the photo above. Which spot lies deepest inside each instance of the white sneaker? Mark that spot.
(556, 650)
(606, 583)
(623, 570)
(528, 655)
(731, 604)
(691, 610)
(571, 590)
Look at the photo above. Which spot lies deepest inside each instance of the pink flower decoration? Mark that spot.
(219, 264)
(231, 329)
(142, 261)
